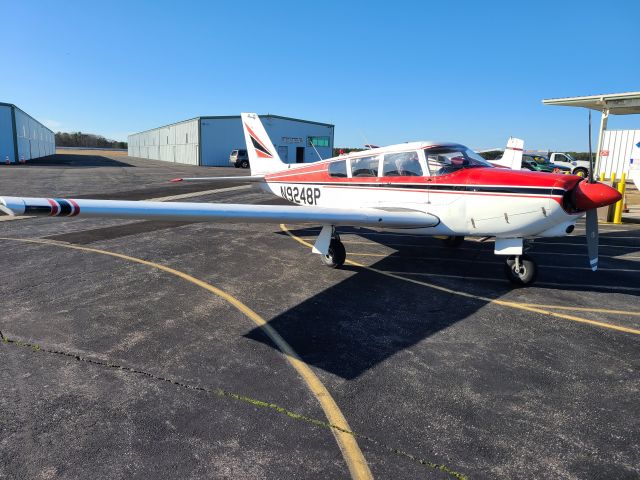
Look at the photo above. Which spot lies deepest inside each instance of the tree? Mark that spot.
(87, 140)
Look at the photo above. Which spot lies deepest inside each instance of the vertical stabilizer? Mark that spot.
(263, 157)
(512, 157)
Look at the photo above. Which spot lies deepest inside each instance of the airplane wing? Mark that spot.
(219, 212)
(238, 179)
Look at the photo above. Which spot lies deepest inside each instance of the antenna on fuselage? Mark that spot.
(314, 147)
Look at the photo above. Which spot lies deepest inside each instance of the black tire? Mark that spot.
(337, 254)
(528, 270)
(244, 163)
(581, 172)
(453, 241)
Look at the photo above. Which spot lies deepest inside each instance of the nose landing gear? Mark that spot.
(521, 269)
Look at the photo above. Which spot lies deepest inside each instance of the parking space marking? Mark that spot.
(505, 303)
(198, 194)
(487, 262)
(623, 256)
(585, 309)
(351, 452)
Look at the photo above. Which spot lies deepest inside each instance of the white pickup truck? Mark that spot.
(578, 167)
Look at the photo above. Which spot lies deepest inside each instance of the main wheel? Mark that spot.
(525, 275)
(581, 172)
(453, 241)
(244, 163)
(336, 256)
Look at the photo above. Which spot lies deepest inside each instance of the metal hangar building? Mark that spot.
(208, 141)
(22, 137)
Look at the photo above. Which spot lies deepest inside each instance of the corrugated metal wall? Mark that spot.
(34, 140)
(178, 143)
(618, 144)
(6, 135)
(221, 135)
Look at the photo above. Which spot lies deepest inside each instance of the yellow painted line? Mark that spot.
(504, 303)
(351, 452)
(584, 309)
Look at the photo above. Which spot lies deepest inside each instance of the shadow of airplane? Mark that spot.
(350, 327)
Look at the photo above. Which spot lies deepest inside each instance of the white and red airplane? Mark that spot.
(427, 188)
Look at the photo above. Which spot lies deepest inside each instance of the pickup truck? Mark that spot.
(578, 167)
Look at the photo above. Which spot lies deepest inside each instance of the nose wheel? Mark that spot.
(521, 269)
(337, 254)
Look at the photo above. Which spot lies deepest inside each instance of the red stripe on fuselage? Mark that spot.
(471, 176)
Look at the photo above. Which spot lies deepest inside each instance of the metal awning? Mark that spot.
(615, 103)
(609, 104)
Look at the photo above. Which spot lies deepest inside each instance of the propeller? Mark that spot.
(592, 238)
(592, 216)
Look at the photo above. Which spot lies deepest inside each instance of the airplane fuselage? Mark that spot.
(468, 201)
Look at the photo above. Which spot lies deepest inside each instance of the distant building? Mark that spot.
(209, 140)
(22, 137)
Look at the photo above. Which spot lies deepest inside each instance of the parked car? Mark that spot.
(540, 163)
(578, 167)
(239, 158)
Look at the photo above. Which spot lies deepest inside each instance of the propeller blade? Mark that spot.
(590, 154)
(592, 238)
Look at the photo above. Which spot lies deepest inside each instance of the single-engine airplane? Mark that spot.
(427, 188)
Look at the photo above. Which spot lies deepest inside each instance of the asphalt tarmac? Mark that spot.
(155, 349)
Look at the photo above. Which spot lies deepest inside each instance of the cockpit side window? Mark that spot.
(364, 167)
(338, 169)
(445, 160)
(404, 164)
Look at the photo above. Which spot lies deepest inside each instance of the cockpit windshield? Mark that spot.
(444, 160)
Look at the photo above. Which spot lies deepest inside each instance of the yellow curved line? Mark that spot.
(583, 309)
(520, 306)
(351, 452)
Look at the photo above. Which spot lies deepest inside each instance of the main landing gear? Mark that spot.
(521, 269)
(453, 241)
(337, 254)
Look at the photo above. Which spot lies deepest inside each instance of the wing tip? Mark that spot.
(176, 180)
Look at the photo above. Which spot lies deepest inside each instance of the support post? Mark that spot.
(617, 215)
(603, 127)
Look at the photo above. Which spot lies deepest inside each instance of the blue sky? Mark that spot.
(394, 71)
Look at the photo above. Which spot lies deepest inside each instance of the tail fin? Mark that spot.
(512, 157)
(263, 157)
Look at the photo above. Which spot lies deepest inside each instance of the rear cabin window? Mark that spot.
(405, 164)
(338, 169)
(364, 167)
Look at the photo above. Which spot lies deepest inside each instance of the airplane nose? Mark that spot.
(587, 196)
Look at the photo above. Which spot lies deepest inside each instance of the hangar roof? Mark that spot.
(617, 103)
(223, 117)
